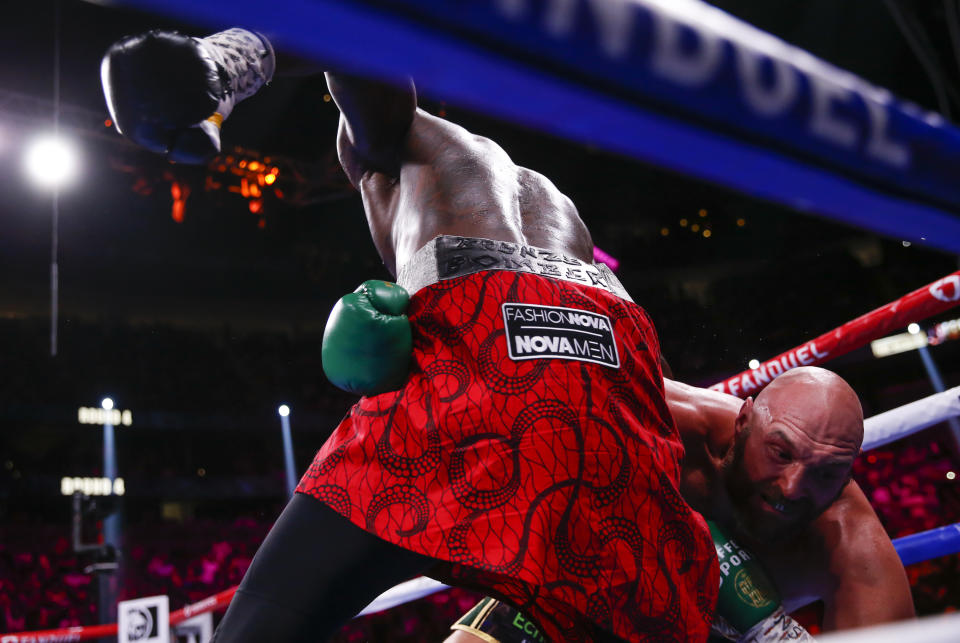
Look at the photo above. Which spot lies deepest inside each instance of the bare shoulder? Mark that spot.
(865, 582)
(850, 539)
(850, 523)
(432, 139)
(838, 546)
(518, 204)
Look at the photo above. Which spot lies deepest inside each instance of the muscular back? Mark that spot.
(426, 176)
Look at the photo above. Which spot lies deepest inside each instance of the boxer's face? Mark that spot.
(780, 480)
(792, 456)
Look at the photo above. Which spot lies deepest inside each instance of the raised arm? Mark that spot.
(374, 121)
(868, 584)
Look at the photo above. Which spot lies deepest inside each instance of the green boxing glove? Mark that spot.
(748, 606)
(367, 343)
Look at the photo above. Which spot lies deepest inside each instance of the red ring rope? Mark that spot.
(943, 294)
(68, 634)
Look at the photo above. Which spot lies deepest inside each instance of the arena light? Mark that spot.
(913, 328)
(90, 486)
(284, 410)
(100, 415)
(107, 403)
(754, 363)
(51, 161)
(900, 343)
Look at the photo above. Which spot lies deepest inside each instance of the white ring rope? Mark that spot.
(910, 418)
(403, 593)
(943, 628)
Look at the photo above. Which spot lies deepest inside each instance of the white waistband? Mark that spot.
(447, 257)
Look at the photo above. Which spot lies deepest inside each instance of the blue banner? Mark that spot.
(675, 83)
(691, 60)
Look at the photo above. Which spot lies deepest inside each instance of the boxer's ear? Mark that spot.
(744, 416)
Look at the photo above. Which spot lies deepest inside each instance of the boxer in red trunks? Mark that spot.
(533, 432)
(531, 453)
(523, 463)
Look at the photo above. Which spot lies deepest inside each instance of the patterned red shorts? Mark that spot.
(535, 458)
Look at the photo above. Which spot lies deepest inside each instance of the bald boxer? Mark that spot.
(784, 461)
(530, 453)
(775, 471)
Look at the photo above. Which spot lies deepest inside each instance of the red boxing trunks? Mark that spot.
(531, 452)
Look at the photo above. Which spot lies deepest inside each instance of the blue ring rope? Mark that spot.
(926, 545)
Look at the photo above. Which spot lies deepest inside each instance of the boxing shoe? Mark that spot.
(170, 93)
(367, 342)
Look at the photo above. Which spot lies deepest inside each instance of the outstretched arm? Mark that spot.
(374, 121)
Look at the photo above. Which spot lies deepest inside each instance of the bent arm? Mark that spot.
(700, 410)
(374, 121)
(869, 584)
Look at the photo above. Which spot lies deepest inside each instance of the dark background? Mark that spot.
(202, 327)
(209, 323)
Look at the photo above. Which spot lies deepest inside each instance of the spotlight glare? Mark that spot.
(951, 475)
(51, 162)
(107, 403)
(913, 328)
(284, 410)
(754, 363)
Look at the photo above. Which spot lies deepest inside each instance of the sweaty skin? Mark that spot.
(777, 472)
(421, 176)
